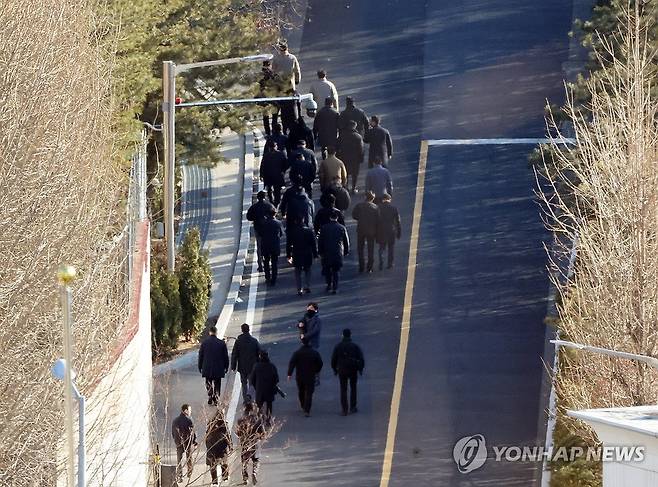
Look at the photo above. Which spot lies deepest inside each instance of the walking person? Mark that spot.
(379, 181)
(346, 362)
(273, 167)
(278, 138)
(250, 431)
(325, 126)
(265, 379)
(286, 66)
(304, 168)
(307, 362)
(341, 195)
(353, 114)
(218, 446)
(182, 430)
(310, 326)
(213, 364)
(244, 356)
(268, 87)
(322, 88)
(301, 250)
(333, 245)
(328, 203)
(379, 141)
(351, 151)
(296, 206)
(270, 241)
(366, 214)
(332, 169)
(257, 214)
(300, 131)
(388, 230)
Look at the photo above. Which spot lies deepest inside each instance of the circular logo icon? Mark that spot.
(470, 453)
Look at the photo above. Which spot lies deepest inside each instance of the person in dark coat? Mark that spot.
(288, 110)
(273, 167)
(366, 214)
(303, 167)
(300, 131)
(346, 361)
(379, 181)
(325, 125)
(342, 196)
(278, 138)
(213, 364)
(308, 364)
(351, 151)
(310, 326)
(296, 205)
(379, 141)
(301, 249)
(250, 431)
(333, 245)
(352, 114)
(244, 356)
(257, 214)
(270, 241)
(182, 430)
(218, 446)
(388, 230)
(265, 379)
(328, 202)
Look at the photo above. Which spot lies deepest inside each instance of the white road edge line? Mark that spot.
(501, 141)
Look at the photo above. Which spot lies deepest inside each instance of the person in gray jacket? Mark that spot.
(379, 181)
(244, 356)
(333, 245)
(379, 141)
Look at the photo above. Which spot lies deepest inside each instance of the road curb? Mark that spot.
(232, 296)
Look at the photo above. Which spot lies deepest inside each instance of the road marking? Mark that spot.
(406, 319)
(557, 140)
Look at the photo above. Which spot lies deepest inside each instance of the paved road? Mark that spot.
(433, 69)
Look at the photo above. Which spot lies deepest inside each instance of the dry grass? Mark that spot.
(61, 195)
(605, 192)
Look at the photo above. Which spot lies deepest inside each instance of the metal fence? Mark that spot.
(136, 205)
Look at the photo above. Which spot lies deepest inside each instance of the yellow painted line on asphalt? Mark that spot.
(406, 319)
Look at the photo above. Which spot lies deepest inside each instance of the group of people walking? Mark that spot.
(289, 169)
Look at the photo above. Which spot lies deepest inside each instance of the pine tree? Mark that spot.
(194, 281)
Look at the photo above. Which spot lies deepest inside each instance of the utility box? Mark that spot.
(168, 476)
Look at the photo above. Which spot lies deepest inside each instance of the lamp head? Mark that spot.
(66, 274)
(59, 370)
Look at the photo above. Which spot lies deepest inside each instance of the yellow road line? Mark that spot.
(406, 319)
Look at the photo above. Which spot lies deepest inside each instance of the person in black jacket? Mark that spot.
(328, 202)
(353, 114)
(333, 245)
(213, 364)
(346, 361)
(301, 249)
(218, 446)
(303, 168)
(257, 214)
(270, 242)
(273, 166)
(388, 229)
(300, 131)
(182, 430)
(265, 379)
(278, 138)
(343, 199)
(351, 151)
(366, 214)
(325, 125)
(296, 205)
(308, 363)
(244, 356)
(379, 141)
(250, 430)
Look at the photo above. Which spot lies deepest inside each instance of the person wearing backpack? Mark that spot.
(346, 361)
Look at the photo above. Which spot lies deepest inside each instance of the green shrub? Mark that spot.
(166, 311)
(194, 281)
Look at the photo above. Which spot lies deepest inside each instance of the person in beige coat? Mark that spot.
(286, 66)
(332, 168)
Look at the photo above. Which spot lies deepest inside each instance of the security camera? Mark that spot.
(311, 107)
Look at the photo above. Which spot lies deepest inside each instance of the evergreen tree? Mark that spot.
(194, 280)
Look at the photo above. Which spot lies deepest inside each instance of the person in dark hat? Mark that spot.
(346, 362)
(307, 363)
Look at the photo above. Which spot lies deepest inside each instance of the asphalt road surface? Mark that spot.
(432, 70)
